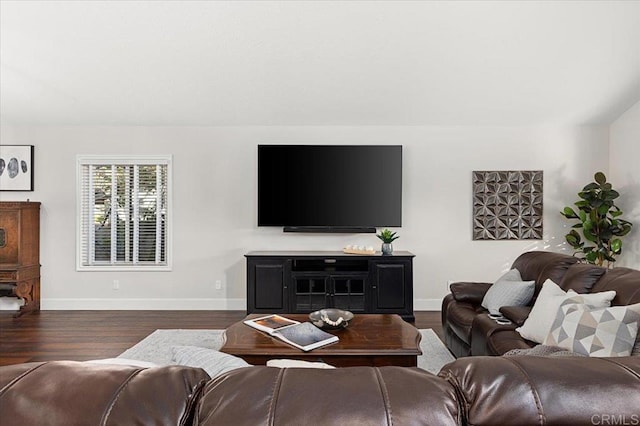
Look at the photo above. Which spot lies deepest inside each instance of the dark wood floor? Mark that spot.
(84, 335)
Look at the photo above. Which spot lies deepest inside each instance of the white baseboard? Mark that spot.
(59, 304)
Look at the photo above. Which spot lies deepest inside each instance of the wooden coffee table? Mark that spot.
(369, 340)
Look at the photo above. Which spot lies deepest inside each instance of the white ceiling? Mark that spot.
(318, 63)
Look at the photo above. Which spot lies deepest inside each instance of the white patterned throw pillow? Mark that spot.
(596, 332)
(508, 290)
(544, 311)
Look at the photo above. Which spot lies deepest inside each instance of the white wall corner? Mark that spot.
(624, 174)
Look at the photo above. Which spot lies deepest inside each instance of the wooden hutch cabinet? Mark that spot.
(20, 253)
(303, 282)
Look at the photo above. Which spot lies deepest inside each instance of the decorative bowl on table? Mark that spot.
(331, 318)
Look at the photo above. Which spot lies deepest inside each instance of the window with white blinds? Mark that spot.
(123, 212)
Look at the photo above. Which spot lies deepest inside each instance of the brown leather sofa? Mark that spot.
(469, 331)
(76, 393)
(479, 390)
(470, 391)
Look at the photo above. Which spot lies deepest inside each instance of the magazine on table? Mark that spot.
(302, 335)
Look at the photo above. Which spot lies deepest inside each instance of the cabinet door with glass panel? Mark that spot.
(348, 291)
(314, 291)
(310, 291)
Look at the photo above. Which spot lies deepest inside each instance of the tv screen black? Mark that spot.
(330, 186)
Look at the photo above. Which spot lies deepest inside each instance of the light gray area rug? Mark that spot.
(156, 347)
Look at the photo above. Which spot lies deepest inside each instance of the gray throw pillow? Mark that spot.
(508, 290)
(213, 362)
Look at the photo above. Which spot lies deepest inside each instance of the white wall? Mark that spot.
(214, 190)
(624, 174)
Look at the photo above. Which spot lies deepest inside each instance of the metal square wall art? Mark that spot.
(507, 205)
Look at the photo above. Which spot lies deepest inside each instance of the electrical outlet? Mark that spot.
(116, 284)
(218, 285)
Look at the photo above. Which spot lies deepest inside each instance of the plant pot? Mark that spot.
(387, 248)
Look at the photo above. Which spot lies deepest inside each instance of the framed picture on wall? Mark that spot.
(16, 167)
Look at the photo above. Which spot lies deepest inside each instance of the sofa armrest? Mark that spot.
(469, 292)
(516, 314)
(541, 390)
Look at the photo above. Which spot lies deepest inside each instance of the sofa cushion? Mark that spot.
(508, 290)
(526, 390)
(537, 326)
(624, 281)
(543, 265)
(341, 396)
(529, 390)
(82, 393)
(598, 332)
(504, 340)
(212, 361)
(581, 277)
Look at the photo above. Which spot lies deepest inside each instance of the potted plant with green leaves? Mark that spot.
(600, 222)
(387, 237)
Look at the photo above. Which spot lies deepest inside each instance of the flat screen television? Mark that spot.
(330, 188)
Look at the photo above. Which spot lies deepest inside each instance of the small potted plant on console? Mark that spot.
(387, 237)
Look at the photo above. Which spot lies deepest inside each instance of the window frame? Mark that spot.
(100, 160)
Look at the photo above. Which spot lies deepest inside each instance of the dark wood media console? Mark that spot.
(305, 281)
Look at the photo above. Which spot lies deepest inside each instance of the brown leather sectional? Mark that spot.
(469, 331)
(478, 390)
(470, 391)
